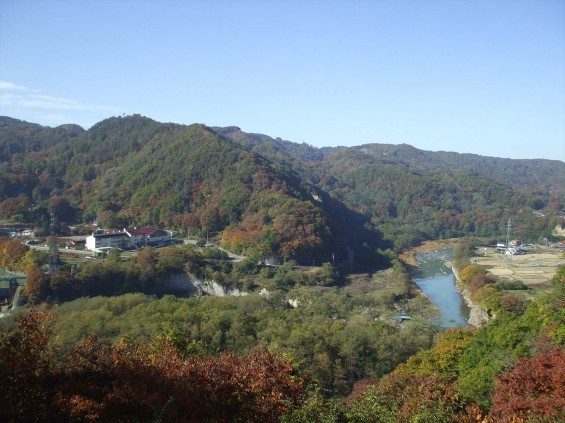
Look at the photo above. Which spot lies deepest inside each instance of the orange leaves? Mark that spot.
(237, 239)
(12, 253)
(471, 271)
(302, 228)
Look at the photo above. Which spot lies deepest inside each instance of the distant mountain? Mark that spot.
(268, 196)
(546, 175)
(535, 174)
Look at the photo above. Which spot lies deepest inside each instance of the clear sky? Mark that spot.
(484, 77)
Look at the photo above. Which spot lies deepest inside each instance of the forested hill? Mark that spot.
(540, 174)
(547, 175)
(268, 196)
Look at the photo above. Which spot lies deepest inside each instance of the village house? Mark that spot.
(147, 236)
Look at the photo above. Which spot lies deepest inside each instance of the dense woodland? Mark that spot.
(111, 340)
(267, 196)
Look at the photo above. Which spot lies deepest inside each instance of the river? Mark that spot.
(436, 280)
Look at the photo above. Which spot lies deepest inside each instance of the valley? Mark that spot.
(321, 246)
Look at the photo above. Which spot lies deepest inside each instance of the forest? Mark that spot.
(265, 196)
(315, 339)
(235, 359)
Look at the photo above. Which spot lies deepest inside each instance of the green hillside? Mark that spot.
(268, 196)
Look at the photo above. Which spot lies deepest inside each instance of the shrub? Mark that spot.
(533, 390)
(481, 280)
(511, 285)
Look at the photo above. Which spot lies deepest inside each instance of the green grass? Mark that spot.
(4, 272)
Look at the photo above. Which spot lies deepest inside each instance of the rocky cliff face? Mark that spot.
(477, 315)
(190, 285)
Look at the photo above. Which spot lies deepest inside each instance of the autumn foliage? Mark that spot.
(409, 398)
(11, 253)
(533, 390)
(138, 382)
(25, 367)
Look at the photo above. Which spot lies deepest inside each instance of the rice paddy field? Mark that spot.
(535, 269)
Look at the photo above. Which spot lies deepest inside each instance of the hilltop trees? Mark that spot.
(265, 194)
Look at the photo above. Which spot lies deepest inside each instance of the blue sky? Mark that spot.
(483, 77)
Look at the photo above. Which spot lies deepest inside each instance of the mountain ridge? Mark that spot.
(265, 194)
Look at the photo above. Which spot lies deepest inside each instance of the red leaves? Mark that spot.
(153, 381)
(138, 381)
(533, 389)
(37, 286)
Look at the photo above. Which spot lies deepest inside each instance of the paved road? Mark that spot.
(233, 257)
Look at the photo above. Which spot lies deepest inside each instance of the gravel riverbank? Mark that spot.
(477, 316)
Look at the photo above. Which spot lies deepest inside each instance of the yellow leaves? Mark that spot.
(471, 271)
(12, 253)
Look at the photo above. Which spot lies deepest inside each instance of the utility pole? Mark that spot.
(53, 250)
(508, 232)
(507, 254)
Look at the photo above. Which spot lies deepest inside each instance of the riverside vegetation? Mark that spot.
(119, 347)
(177, 363)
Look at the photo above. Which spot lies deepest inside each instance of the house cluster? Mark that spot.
(128, 238)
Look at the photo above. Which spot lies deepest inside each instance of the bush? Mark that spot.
(479, 281)
(511, 285)
(513, 303)
(246, 267)
(471, 271)
(534, 390)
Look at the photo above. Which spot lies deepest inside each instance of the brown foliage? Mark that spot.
(37, 286)
(514, 303)
(138, 382)
(14, 205)
(471, 271)
(533, 390)
(25, 367)
(12, 253)
(409, 397)
(481, 280)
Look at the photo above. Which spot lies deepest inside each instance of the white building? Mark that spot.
(136, 237)
(112, 240)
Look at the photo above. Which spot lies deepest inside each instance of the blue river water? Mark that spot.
(436, 280)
